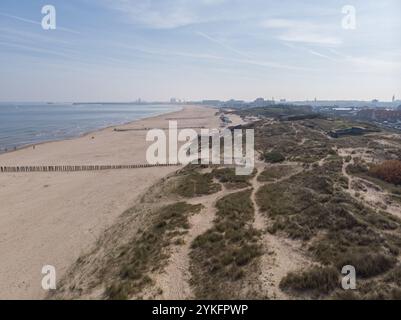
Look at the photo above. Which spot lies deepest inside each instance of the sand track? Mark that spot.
(280, 255)
(371, 196)
(174, 280)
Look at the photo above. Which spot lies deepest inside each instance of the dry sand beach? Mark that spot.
(50, 218)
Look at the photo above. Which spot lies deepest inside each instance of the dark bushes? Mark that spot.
(316, 281)
(231, 179)
(367, 264)
(389, 171)
(145, 253)
(195, 184)
(273, 157)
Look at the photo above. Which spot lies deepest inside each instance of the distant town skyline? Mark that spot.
(202, 49)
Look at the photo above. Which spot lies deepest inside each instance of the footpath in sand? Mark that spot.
(50, 218)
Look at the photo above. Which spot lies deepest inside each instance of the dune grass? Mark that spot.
(230, 179)
(194, 184)
(316, 281)
(222, 256)
(137, 259)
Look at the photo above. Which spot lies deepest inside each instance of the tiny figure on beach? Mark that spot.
(33, 147)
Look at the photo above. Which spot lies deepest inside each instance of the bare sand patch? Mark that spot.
(52, 218)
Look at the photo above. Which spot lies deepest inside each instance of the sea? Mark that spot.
(23, 124)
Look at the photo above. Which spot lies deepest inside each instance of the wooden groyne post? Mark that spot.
(78, 168)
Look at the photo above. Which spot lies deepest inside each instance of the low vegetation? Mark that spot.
(273, 157)
(230, 179)
(307, 205)
(389, 171)
(223, 256)
(191, 184)
(315, 281)
(275, 172)
(308, 199)
(145, 253)
(314, 206)
(276, 111)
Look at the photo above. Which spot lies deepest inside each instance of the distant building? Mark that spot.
(235, 103)
(173, 100)
(347, 132)
(260, 102)
(380, 115)
(211, 102)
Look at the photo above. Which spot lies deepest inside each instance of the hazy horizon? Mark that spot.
(123, 50)
(187, 101)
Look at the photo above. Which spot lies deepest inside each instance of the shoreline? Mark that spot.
(85, 134)
(51, 219)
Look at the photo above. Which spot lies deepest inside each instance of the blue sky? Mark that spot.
(120, 50)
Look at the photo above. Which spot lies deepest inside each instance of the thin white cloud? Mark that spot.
(375, 65)
(321, 55)
(30, 37)
(281, 23)
(301, 32)
(201, 56)
(213, 2)
(165, 15)
(22, 19)
(222, 44)
(370, 64)
(34, 49)
(170, 14)
(310, 51)
(310, 38)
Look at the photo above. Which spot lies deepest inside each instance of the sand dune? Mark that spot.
(51, 218)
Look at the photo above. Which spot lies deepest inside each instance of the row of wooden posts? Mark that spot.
(7, 169)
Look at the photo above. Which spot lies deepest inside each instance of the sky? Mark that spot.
(122, 50)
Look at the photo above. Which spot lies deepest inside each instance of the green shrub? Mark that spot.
(389, 171)
(367, 264)
(194, 184)
(141, 255)
(221, 255)
(275, 172)
(317, 280)
(231, 179)
(273, 157)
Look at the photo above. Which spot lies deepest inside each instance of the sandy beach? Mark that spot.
(51, 218)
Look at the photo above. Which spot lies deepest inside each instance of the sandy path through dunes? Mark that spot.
(280, 255)
(370, 196)
(51, 218)
(174, 280)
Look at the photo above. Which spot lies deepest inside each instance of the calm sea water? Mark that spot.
(28, 123)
